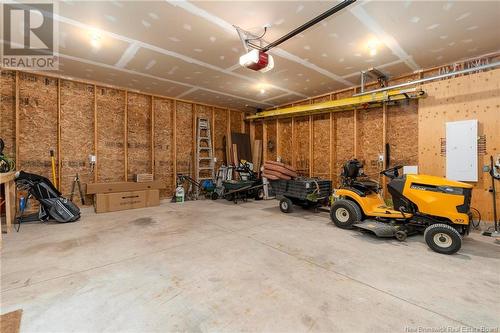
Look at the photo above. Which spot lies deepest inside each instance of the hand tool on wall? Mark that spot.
(494, 171)
(76, 181)
(53, 162)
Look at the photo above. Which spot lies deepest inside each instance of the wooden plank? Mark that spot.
(252, 135)
(18, 162)
(474, 96)
(110, 134)
(96, 166)
(293, 143)
(212, 131)
(264, 141)
(311, 145)
(228, 137)
(163, 145)
(139, 135)
(77, 134)
(355, 127)
(278, 146)
(384, 141)
(59, 134)
(174, 143)
(330, 154)
(125, 139)
(152, 139)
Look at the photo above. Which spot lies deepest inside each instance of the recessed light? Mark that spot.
(95, 38)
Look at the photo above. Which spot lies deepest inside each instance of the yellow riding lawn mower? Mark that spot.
(438, 207)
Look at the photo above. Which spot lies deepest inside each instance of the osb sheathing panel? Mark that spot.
(247, 123)
(236, 121)
(204, 111)
(321, 146)
(271, 138)
(258, 130)
(184, 137)
(306, 102)
(343, 94)
(321, 99)
(301, 139)
(343, 140)
(77, 134)
(163, 147)
(139, 134)
(468, 97)
(37, 123)
(402, 133)
(220, 131)
(285, 145)
(8, 111)
(370, 140)
(110, 135)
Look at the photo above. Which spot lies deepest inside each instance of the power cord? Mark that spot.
(476, 218)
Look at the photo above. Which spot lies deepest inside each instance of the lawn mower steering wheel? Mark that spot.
(392, 172)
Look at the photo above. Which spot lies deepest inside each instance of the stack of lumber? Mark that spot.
(276, 170)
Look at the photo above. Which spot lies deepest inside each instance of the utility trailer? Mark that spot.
(304, 192)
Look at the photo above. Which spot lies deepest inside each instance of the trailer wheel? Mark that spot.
(286, 205)
(345, 213)
(401, 235)
(260, 194)
(443, 238)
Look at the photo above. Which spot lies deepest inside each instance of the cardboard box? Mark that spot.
(112, 202)
(94, 188)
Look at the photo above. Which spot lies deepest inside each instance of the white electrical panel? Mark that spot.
(461, 150)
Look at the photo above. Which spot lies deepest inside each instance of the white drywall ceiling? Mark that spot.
(190, 49)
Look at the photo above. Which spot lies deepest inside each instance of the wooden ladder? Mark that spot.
(205, 165)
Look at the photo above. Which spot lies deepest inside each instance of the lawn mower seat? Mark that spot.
(351, 174)
(366, 186)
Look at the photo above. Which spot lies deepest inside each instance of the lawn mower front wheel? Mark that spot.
(443, 238)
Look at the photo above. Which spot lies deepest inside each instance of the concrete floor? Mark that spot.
(216, 266)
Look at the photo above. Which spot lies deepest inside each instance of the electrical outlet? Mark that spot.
(380, 158)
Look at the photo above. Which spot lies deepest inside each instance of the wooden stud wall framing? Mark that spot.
(152, 138)
(17, 120)
(174, 149)
(125, 138)
(384, 141)
(311, 143)
(264, 141)
(278, 146)
(293, 142)
(65, 100)
(96, 166)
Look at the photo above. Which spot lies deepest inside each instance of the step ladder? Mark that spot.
(205, 165)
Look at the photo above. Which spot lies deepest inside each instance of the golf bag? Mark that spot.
(52, 204)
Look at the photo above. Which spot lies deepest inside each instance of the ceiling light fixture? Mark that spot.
(372, 46)
(95, 38)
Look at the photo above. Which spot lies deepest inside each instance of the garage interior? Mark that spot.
(270, 166)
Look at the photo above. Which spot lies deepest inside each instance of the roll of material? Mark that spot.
(269, 176)
(281, 168)
(277, 174)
